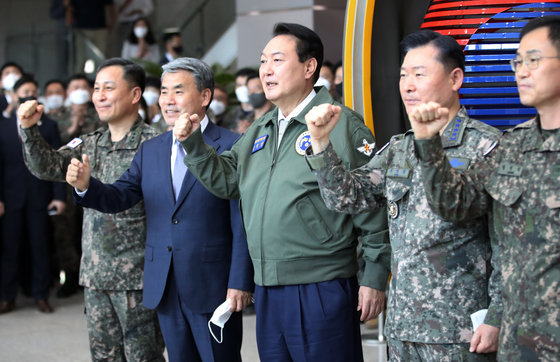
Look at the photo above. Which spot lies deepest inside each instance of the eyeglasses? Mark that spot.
(530, 60)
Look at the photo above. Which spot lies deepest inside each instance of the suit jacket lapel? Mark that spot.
(163, 165)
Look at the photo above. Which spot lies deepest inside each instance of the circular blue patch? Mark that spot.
(303, 141)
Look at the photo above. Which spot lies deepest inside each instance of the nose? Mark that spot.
(408, 84)
(265, 69)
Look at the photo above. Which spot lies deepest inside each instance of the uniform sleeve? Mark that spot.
(452, 195)
(42, 160)
(359, 192)
(496, 307)
(218, 173)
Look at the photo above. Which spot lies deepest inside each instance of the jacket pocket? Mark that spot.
(313, 220)
(506, 190)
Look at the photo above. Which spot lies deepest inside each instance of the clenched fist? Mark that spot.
(320, 121)
(29, 113)
(185, 125)
(428, 119)
(78, 173)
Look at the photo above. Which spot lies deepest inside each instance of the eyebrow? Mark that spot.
(416, 67)
(274, 53)
(106, 82)
(532, 51)
(176, 86)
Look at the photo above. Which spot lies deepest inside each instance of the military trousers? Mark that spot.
(444, 352)
(120, 328)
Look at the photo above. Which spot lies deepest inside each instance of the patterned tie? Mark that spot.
(179, 169)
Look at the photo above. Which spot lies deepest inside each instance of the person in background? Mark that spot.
(26, 200)
(338, 81)
(257, 99)
(173, 45)
(141, 43)
(151, 96)
(326, 77)
(9, 74)
(219, 111)
(127, 13)
(54, 97)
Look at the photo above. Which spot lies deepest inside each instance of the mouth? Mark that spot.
(270, 84)
(172, 112)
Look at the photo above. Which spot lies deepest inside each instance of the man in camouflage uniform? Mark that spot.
(441, 270)
(520, 179)
(119, 327)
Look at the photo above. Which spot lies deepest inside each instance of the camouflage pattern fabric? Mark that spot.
(120, 328)
(63, 118)
(521, 180)
(441, 271)
(418, 352)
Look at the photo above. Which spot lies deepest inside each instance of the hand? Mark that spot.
(485, 339)
(320, 121)
(79, 173)
(239, 299)
(59, 205)
(428, 119)
(185, 125)
(371, 302)
(2, 209)
(29, 113)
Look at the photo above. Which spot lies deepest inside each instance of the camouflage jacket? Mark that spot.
(441, 270)
(521, 180)
(63, 118)
(112, 244)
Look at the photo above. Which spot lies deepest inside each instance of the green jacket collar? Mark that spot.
(534, 138)
(130, 141)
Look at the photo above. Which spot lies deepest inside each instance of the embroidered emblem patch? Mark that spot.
(367, 148)
(303, 141)
(393, 209)
(259, 143)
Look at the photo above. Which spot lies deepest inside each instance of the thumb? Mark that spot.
(443, 112)
(85, 161)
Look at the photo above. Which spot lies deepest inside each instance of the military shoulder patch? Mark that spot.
(303, 142)
(75, 142)
(367, 148)
(459, 163)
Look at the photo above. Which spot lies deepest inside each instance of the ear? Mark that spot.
(206, 94)
(310, 68)
(456, 78)
(136, 95)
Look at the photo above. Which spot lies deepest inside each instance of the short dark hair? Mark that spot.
(244, 72)
(308, 44)
(80, 76)
(252, 76)
(134, 74)
(168, 36)
(450, 52)
(11, 64)
(152, 81)
(552, 22)
(25, 78)
(53, 81)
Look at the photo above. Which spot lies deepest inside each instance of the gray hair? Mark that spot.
(201, 72)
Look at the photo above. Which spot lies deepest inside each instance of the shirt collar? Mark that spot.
(296, 111)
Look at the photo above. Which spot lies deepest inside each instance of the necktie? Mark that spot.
(179, 169)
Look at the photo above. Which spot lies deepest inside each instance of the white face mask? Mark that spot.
(220, 317)
(79, 96)
(54, 101)
(323, 82)
(242, 94)
(142, 114)
(9, 81)
(150, 97)
(140, 31)
(217, 107)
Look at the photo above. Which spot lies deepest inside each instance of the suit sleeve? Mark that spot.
(218, 173)
(241, 270)
(119, 196)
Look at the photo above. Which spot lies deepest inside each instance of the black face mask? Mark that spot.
(339, 89)
(178, 49)
(25, 99)
(257, 100)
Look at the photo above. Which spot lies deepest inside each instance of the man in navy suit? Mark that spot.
(25, 200)
(196, 251)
